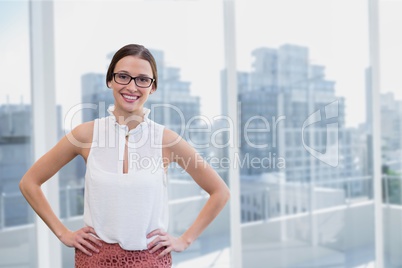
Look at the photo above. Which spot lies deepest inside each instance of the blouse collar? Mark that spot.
(143, 124)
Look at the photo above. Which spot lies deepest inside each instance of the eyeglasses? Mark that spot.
(140, 81)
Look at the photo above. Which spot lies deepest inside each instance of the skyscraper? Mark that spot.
(293, 134)
(391, 130)
(16, 157)
(289, 112)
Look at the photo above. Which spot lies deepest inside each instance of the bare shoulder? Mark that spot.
(170, 141)
(170, 138)
(81, 135)
(175, 147)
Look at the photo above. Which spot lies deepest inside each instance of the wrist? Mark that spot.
(62, 233)
(187, 241)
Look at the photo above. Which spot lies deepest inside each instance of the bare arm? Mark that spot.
(42, 170)
(207, 178)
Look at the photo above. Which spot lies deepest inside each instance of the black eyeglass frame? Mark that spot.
(133, 78)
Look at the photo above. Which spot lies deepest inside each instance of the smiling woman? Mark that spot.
(188, 87)
(125, 208)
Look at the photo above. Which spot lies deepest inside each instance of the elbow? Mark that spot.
(23, 186)
(221, 196)
(225, 195)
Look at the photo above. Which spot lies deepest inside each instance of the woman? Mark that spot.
(125, 211)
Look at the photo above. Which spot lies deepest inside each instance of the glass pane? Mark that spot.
(188, 47)
(17, 238)
(391, 128)
(306, 188)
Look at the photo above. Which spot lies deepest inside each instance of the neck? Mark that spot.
(131, 119)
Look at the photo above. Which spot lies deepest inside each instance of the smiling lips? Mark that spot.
(130, 98)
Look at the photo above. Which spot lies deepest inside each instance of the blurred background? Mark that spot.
(311, 88)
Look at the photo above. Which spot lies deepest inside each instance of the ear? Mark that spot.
(109, 85)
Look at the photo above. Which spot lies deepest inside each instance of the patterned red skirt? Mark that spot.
(112, 255)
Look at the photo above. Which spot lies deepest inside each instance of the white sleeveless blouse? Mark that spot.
(124, 208)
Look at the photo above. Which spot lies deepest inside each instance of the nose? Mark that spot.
(132, 86)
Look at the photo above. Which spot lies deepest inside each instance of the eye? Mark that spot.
(144, 79)
(122, 76)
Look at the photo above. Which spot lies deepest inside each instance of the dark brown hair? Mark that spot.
(132, 50)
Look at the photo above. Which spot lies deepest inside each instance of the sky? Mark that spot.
(191, 35)
(14, 67)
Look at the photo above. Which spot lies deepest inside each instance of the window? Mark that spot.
(16, 217)
(391, 131)
(284, 69)
(305, 44)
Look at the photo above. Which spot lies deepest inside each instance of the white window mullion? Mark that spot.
(229, 101)
(44, 119)
(376, 130)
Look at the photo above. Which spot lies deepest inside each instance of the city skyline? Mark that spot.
(322, 41)
(310, 211)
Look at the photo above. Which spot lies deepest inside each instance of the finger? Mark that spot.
(158, 246)
(95, 240)
(154, 242)
(90, 246)
(154, 232)
(83, 249)
(92, 231)
(87, 229)
(90, 237)
(163, 253)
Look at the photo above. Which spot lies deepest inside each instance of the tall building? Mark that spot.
(95, 95)
(290, 115)
(391, 131)
(293, 132)
(16, 158)
(391, 119)
(391, 128)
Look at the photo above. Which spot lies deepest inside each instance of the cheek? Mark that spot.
(115, 87)
(116, 92)
(145, 91)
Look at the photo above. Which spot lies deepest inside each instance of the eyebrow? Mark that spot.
(139, 75)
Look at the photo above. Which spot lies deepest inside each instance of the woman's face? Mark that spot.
(131, 98)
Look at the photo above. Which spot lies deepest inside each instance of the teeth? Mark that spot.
(130, 97)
